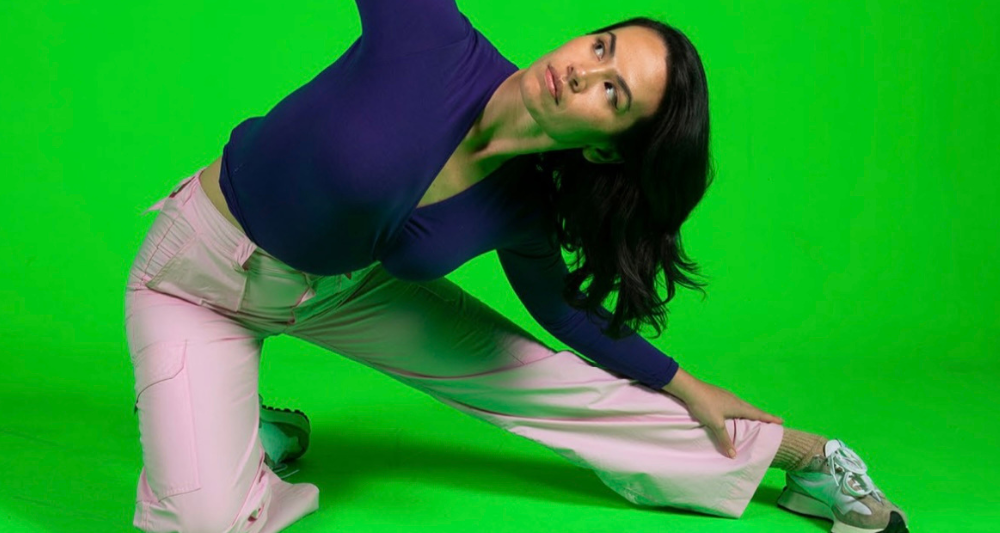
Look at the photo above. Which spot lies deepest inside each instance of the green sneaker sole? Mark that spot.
(291, 422)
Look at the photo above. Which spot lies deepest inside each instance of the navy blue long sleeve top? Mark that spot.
(329, 179)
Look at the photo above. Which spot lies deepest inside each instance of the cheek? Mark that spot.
(570, 129)
(582, 124)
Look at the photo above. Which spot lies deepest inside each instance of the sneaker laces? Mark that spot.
(845, 466)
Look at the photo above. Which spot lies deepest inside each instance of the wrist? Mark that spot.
(682, 385)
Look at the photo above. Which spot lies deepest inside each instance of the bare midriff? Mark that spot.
(210, 184)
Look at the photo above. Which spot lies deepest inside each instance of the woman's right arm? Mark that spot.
(682, 386)
(712, 405)
(395, 28)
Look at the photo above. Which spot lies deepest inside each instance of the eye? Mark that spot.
(614, 99)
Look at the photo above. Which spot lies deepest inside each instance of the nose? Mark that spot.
(579, 79)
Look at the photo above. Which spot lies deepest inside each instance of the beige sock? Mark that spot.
(799, 450)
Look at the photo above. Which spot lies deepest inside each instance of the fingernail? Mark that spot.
(732, 454)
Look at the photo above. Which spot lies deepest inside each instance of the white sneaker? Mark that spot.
(840, 490)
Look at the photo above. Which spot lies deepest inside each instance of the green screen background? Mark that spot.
(850, 243)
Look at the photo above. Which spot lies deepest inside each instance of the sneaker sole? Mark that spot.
(291, 422)
(809, 506)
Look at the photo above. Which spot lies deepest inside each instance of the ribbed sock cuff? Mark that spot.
(798, 449)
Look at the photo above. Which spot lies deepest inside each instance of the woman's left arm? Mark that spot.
(535, 268)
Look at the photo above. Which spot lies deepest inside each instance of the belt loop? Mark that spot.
(188, 191)
(177, 189)
(180, 186)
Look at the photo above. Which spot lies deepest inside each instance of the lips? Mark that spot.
(552, 80)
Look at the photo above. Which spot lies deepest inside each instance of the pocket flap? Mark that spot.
(157, 362)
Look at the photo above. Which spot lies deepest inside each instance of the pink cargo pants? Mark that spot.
(201, 298)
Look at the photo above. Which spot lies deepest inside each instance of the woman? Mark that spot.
(334, 218)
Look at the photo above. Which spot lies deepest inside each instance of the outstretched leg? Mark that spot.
(641, 443)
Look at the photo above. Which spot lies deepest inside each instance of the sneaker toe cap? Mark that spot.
(880, 519)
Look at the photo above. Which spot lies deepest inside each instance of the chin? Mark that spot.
(530, 97)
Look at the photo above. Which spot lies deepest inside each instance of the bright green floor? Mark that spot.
(387, 458)
(850, 241)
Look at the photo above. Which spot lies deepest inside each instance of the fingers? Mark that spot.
(753, 413)
(767, 417)
(721, 437)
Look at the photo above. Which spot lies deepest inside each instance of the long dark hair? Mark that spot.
(625, 217)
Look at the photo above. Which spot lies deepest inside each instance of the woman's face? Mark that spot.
(605, 83)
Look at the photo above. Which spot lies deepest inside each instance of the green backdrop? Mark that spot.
(850, 242)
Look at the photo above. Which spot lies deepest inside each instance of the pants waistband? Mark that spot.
(233, 238)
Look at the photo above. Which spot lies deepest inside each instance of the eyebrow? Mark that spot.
(621, 81)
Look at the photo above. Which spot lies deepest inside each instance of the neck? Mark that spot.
(505, 129)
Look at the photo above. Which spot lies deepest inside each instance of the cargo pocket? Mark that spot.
(166, 419)
(199, 271)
